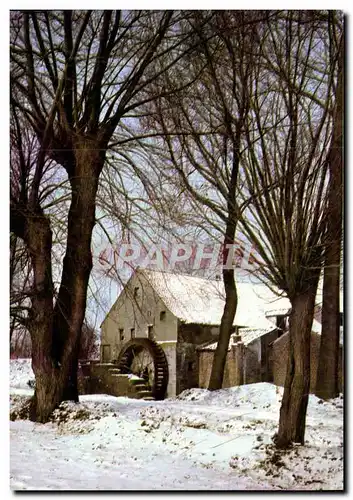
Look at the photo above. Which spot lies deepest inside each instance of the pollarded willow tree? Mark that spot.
(280, 198)
(76, 76)
(288, 164)
(330, 35)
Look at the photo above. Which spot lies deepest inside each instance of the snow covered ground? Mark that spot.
(197, 441)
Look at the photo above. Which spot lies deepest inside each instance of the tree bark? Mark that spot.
(39, 240)
(297, 383)
(231, 302)
(327, 375)
(225, 331)
(71, 304)
(56, 344)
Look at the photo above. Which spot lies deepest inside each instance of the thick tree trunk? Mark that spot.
(327, 376)
(39, 240)
(297, 383)
(56, 339)
(71, 304)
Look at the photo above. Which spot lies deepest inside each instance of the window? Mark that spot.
(132, 333)
(136, 291)
(162, 316)
(121, 334)
(150, 332)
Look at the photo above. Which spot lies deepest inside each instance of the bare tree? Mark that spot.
(287, 176)
(327, 377)
(76, 76)
(281, 192)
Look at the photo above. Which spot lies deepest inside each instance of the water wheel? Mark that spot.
(145, 359)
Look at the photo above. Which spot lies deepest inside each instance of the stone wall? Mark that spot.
(279, 358)
(266, 364)
(99, 378)
(252, 368)
(233, 372)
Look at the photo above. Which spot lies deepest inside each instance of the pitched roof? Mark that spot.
(248, 335)
(199, 300)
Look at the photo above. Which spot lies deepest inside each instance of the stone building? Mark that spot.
(261, 354)
(248, 357)
(182, 313)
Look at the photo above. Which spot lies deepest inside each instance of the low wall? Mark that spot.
(97, 378)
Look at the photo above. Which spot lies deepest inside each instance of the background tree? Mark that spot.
(327, 376)
(19, 285)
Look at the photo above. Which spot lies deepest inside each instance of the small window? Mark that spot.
(132, 333)
(136, 291)
(121, 334)
(150, 332)
(162, 316)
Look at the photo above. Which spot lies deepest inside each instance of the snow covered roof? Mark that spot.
(247, 335)
(199, 300)
(278, 312)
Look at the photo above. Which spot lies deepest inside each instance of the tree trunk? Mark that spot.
(55, 349)
(327, 375)
(70, 307)
(39, 240)
(225, 331)
(297, 383)
(230, 306)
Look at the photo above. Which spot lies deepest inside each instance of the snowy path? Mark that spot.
(40, 459)
(202, 440)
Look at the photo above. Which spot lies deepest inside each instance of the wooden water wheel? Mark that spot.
(145, 359)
